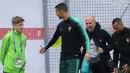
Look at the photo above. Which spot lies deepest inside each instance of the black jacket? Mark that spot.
(122, 46)
(72, 33)
(102, 39)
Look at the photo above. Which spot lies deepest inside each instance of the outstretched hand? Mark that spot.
(43, 50)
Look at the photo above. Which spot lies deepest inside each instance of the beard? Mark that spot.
(91, 30)
(60, 17)
(119, 31)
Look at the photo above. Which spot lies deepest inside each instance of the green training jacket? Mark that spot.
(8, 54)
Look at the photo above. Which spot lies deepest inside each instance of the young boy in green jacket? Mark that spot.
(12, 52)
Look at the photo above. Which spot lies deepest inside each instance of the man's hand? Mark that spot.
(43, 50)
(100, 50)
(87, 55)
(126, 68)
(115, 70)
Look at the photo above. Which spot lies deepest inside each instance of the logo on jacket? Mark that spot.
(116, 42)
(100, 40)
(69, 29)
(127, 40)
(60, 29)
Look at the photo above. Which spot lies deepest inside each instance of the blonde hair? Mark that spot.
(17, 19)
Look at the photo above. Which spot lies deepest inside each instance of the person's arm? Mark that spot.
(54, 39)
(86, 39)
(115, 60)
(115, 53)
(129, 45)
(85, 36)
(4, 48)
(108, 38)
(115, 57)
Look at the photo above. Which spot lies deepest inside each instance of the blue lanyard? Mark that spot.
(15, 41)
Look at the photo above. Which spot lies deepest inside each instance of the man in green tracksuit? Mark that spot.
(72, 32)
(12, 52)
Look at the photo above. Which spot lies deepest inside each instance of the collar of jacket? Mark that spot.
(15, 32)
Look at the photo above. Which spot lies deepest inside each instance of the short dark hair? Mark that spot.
(17, 19)
(62, 6)
(117, 20)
